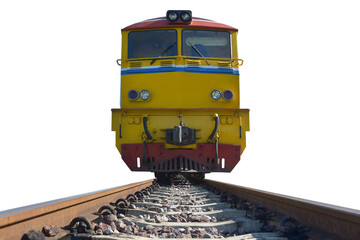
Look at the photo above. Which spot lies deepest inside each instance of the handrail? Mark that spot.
(117, 61)
(146, 129)
(149, 58)
(215, 59)
(216, 127)
(241, 61)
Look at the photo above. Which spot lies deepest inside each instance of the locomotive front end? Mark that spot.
(180, 96)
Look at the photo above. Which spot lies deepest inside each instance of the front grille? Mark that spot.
(167, 63)
(135, 64)
(224, 64)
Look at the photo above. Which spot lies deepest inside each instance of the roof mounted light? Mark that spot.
(173, 16)
(186, 16)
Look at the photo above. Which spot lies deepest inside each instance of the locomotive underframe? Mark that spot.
(160, 159)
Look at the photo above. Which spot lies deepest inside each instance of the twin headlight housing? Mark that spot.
(134, 95)
(173, 16)
(216, 95)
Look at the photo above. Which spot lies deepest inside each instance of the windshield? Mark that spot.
(206, 43)
(147, 44)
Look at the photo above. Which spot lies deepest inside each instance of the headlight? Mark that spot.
(215, 94)
(228, 95)
(133, 94)
(172, 16)
(145, 94)
(185, 16)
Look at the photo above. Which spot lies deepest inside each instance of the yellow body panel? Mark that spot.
(180, 90)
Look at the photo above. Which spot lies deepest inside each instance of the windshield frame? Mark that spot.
(206, 30)
(159, 54)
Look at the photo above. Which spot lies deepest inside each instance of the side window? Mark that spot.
(208, 43)
(144, 44)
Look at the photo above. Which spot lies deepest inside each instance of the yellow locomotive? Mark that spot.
(180, 96)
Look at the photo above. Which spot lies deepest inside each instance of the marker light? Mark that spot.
(145, 94)
(172, 16)
(228, 95)
(215, 94)
(133, 94)
(186, 16)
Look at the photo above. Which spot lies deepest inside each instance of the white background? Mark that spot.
(59, 80)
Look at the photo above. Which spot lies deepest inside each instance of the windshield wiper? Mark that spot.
(165, 51)
(198, 52)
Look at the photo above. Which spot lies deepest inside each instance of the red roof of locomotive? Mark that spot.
(163, 23)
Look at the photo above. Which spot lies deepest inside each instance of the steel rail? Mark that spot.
(319, 217)
(15, 223)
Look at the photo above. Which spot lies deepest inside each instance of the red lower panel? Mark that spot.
(159, 159)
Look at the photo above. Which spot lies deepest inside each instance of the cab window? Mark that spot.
(206, 43)
(155, 43)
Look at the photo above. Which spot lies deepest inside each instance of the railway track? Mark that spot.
(206, 209)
